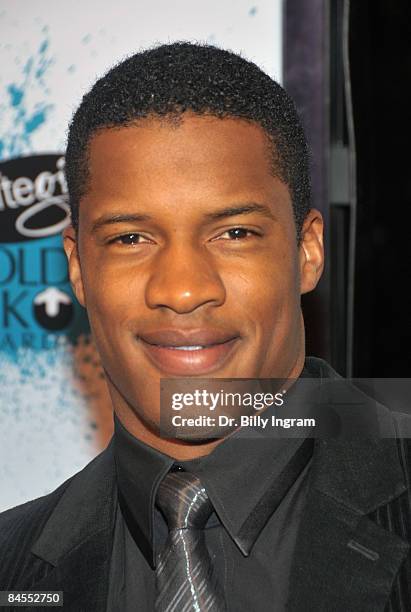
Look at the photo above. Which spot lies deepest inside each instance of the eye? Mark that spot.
(236, 233)
(129, 239)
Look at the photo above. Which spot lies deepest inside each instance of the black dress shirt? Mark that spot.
(257, 486)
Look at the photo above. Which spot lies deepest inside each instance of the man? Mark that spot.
(192, 240)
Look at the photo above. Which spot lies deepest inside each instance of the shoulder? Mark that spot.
(29, 513)
(21, 526)
(393, 424)
(19, 529)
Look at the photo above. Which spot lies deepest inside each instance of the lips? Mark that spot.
(192, 352)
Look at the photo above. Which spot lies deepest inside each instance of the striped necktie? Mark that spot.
(184, 572)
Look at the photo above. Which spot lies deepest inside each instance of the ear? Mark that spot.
(70, 247)
(311, 251)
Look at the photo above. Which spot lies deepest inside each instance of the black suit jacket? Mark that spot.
(352, 551)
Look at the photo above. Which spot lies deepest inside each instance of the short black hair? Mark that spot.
(170, 79)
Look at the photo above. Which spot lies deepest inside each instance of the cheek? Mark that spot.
(267, 289)
(112, 299)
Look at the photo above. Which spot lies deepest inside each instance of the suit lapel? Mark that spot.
(77, 539)
(344, 561)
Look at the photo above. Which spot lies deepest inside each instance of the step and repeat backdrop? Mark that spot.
(55, 414)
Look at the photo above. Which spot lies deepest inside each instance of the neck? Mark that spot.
(178, 449)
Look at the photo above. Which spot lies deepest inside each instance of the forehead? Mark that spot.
(194, 145)
(190, 166)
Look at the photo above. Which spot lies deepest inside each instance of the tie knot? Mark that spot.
(183, 501)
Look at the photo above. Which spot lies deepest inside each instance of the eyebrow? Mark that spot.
(230, 211)
(120, 218)
(242, 209)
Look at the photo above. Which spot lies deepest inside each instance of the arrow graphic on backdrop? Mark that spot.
(53, 309)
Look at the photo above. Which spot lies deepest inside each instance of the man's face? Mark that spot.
(186, 257)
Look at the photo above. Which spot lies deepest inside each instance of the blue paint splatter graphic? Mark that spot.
(18, 117)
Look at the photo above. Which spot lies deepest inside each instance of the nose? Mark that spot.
(183, 279)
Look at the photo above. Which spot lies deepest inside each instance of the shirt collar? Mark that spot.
(261, 466)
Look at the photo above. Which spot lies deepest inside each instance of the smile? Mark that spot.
(185, 348)
(189, 359)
